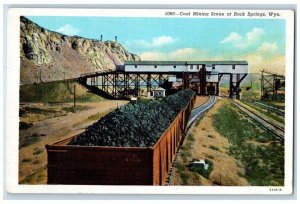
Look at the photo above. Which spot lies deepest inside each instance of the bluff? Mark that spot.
(49, 56)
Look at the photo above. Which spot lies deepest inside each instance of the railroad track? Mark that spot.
(269, 108)
(276, 129)
(199, 111)
(195, 114)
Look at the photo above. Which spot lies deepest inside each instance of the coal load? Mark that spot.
(136, 124)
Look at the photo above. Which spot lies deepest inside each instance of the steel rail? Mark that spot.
(269, 108)
(275, 129)
(198, 111)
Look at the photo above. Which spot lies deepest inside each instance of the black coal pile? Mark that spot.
(136, 124)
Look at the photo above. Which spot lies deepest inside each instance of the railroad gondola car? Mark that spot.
(211, 89)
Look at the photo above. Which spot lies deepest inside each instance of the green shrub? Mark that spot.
(186, 153)
(184, 177)
(26, 160)
(197, 123)
(37, 151)
(29, 140)
(262, 139)
(214, 148)
(210, 136)
(191, 137)
(179, 166)
(24, 125)
(210, 156)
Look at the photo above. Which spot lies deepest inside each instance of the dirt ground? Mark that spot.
(209, 144)
(200, 100)
(33, 157)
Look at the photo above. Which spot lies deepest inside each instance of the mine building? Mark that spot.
(201, 76)
(159, 92)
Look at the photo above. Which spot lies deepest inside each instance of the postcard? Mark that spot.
(150, 101)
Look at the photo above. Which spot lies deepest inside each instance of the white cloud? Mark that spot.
(233, 37)
(162, 40)
(250, 39)
(255, 34)
(268, 50)
(185, 52)
(266, 56)
(260, 58)
(268, 47)
(180, 54)
(155, 42)
(68, 30)
(257, 62)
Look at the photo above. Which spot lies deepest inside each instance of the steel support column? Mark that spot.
(234, 87)
(230, 87)
(202, 81)
(148, 82)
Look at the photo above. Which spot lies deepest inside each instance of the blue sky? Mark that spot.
(260, 41)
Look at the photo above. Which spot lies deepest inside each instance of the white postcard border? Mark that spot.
(13, 70)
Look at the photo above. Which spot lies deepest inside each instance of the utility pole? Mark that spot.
(74, 96)
(46, 84)
(262, 85)
(40, 75)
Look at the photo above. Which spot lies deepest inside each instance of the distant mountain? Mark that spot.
(254, 77)
(50, 56)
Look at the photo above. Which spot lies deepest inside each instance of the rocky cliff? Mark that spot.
(50, 56)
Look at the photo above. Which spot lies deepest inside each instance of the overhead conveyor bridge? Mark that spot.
(136, 77)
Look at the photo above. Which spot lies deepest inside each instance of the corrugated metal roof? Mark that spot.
(159, 89)
(183, 62)
(217, 62)
(155, 63)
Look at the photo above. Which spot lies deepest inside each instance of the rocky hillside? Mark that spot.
(50, 56)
